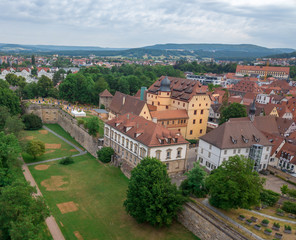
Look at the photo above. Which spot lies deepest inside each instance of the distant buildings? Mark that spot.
(261, 71)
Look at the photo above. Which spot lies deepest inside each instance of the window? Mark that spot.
(192, 105)
(168, 122)
(201, 111)
(183, 104)
(200, 120)
(168, 154)
(193, 121)
(247, 150)
(234, 151)
(179, 150)
(191, 132)
(136, 148)
(200, 160)
(209, 154)
(266, 156)
(200, 131)
(267, 149)
(201, 151)
(167, 166)
(195, 112)
(184, 121)
(238, 151)
(210, 147)
(158, 154)
(167, 107)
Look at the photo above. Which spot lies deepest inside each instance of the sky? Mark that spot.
(130, 24)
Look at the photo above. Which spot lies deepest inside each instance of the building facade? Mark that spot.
(133, 137)
(169, 93)
(234, 138)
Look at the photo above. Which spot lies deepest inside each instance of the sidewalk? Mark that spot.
(50, 221)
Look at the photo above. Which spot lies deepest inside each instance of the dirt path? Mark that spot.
(50, 221)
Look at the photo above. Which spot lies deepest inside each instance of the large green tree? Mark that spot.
(196, 181)
(9, 150)
(9, 99)
(234, 110)
(21, 215)
(4, 114)
(35, 148)
(235, 184)
(151, 197)
(32, 121)
(14, 125)
(45, 86)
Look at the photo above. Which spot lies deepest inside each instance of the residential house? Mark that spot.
(234, 138)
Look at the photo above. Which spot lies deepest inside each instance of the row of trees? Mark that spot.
(21, 215)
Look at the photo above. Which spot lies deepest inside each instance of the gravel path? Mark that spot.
(50, 221)
(274, 218)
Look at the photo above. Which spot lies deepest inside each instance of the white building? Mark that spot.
(133, 137)
(234, 138)
(263, 98)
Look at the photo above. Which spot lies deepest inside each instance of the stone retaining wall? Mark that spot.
(205, 225)
(53, 114)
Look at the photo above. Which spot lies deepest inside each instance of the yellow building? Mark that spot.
(170, 93)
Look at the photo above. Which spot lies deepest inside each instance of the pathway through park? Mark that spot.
(50, 221)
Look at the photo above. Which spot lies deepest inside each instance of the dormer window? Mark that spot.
(245, 139)
(234, 141)
(256, 139)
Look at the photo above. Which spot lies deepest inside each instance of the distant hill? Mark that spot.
(284, 55)
(5, 47)
(217, 51)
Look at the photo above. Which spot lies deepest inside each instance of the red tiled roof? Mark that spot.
(181, 89)
(263, 68)
(106, 93)
(170, 114)
(151, 132)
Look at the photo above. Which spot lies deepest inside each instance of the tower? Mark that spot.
(252, 111)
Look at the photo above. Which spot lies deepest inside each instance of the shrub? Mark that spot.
(291, 192)
(279, 210)
(32, 121)
(242, 216)
(102, 106)
(276, 225)
(192, 141)
(265, 221)
(289, 207)
(269, 197)
(104, 154)
(288, 227)
(249, 221)
(67, 161)
(268, 230)
(80, 121)
(35, 148)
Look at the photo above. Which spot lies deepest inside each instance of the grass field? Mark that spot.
(54, 146)
(91, 197)
(59, 130)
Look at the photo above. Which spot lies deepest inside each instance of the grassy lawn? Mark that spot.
(59, 130)
(234, 213)
(54, 146)
(96, 193)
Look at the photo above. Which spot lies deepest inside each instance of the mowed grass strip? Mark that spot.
(54, 146)
(98, 192)
(59, 130)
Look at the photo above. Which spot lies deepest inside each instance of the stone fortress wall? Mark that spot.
(52, 114)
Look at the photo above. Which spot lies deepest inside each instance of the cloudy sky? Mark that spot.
(129, 23)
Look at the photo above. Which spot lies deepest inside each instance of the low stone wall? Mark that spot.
(202, 223)
(53, 114)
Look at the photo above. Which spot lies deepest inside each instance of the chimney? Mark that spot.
(143, 89)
